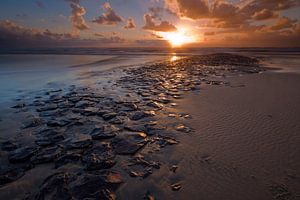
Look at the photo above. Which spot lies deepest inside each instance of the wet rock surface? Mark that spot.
(129, 142)
(94, 129)
(99, 157)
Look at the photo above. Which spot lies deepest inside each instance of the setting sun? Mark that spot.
(179, 37)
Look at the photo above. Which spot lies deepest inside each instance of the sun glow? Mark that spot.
(179, 37)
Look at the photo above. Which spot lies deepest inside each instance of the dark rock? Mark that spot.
(49, 137)
(22, 154)
(105, 132)
(280, 192)
(55, 187)
(32, 122)
(19, 105)
(9, 146)
(47, 155)
(81, 128)
(116, 120)
(65, 104)
(149, 196)
(80, 144)
(128, 106)
(129, 142)
(183, 128)
(154, 104)
(164, 100)
(8, 175)
(143, 173)
(68, 158)
(109, 116)
(164, 140)
(173, 168)
(90, 111)
(99, 157)
(58, 122)
(74, 99)
(135, 127)
(83, 104)
(47, 107)
(141, 114)
(140, 160)
(96, 186)
(176, 186)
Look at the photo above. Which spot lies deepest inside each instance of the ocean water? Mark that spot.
(25, 70)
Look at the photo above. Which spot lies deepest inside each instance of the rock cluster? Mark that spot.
(89, 127)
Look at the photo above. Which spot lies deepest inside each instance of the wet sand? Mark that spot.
(245, 144)
(247, 141)
(220, 132)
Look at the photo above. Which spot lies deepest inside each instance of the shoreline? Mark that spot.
(154, 111)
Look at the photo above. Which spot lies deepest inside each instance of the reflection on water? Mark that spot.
(174, 58)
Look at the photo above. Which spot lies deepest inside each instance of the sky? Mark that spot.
(149, 23)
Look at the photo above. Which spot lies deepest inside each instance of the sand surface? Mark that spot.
(245, 144)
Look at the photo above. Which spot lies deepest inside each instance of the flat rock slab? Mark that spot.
(67, 186)
(129, 142)
(99, 157)
(22, 154)
(79, 144)
(49, 137)
(141, 114)
(8, 175)
(8, 146)
(47, 155)
(104, 132)
(73, 158)
(32, 122)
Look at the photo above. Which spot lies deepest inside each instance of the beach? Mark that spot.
(172, 126)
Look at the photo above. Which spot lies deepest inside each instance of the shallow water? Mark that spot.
(20, 74)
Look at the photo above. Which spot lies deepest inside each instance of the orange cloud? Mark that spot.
(130, 23)
(164, 26)
(110, 17)
(76, 18)
(264, 14)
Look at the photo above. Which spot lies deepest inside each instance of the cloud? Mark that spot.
(193, 9)
(224, 14)
(164, 26)
(78, 22)
(110, 17)
(209, 33)
(13, 35)
(40, 4)
(283, 23)
(156, 12)
(264, 14)
(130, 23)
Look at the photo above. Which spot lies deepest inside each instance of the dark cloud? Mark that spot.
(40, 4)
(224, 14)
(156, 12)
(194, 9)
(163, 26)
(13, 35)
(130, 23)
(110, 17)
